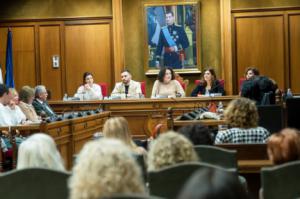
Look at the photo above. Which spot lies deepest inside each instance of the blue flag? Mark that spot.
(9, 75)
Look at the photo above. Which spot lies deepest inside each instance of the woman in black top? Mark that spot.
(209, 84)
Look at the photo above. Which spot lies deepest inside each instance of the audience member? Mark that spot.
(39, 150)
(242, 116)
(208, 183)
(168, 149)
(128, 88)
(117, 128)
(88, 90)
(166, 86)
(15, 112)
(208, 85)
(105, 167)
(284, 146)
(251, 72)
(197, 134)
(40, 103)
(26, 97)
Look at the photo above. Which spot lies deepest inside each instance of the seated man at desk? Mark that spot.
(40, 103)
(128, 88)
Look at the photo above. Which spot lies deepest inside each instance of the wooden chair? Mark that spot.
(143, 88)
(281, 181)
(167, 182)
(217, 156)
(34, 183)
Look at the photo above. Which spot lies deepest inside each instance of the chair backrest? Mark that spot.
(293, 112)
(34, 183)
(222, 82)
(217, 156)
(241, 81)
(167, 182)
(281, 181)
(271, 117)
(104, 88)
(143, 88)
(248, 151)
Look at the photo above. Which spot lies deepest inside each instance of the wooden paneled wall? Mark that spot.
(269, 40)
(81, 44)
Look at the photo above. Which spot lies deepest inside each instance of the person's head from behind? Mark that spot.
(26, 94)
(284, 146)
(41, 93)
(210, 183)
(241, 113)
(251, 72)
(5, 95)
(117, 127)
(165, 75)
(209, 75)
(105, 167)
(170, 18)
(169, 149)
(88, 78)
(39, 150)
(126, 76)
(197, 134)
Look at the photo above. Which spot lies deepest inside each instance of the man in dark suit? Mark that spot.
(40, 102)
(173, 40)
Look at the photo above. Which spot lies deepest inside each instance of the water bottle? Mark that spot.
(289, 93)
(220, 108)
(65, 98)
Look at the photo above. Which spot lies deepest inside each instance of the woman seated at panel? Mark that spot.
(13, 110)
(39, 150)
(117, 128)
(166, 86)
(89, 90)
(26, 97)
(242, 117)
(169, 149)
(104, 168)
(208, 85)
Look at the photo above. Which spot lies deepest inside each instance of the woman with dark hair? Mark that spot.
(209, 84)
(88, 90)
(166, 86)
(209, 183)
(251, 72)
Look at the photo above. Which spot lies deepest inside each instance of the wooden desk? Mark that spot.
(141, 114)
(70, 135)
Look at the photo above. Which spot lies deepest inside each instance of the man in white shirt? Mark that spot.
(128, 88)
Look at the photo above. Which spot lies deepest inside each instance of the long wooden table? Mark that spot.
(141, 114)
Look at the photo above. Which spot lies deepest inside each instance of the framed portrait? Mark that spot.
(172, 36)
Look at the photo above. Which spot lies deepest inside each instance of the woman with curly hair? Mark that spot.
(105, 167)
(117, 128)
(242, 116)
(170, 148)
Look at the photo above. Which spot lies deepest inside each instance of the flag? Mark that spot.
(9, 75)
(1, 78)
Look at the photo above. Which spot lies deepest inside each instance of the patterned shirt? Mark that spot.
(239, 135)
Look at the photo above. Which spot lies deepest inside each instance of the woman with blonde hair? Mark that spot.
(284, 146)
(242, 117)
(170, 148)
(39, 150)
(105, 167)
(117, 128)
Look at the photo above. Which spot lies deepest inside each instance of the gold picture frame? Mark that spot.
(172, 36)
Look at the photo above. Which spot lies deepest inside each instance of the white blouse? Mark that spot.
(94, 93)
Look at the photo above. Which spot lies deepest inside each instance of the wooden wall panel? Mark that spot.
(260, 42)
(23, 54)
(294, 34)
(88, 48)
(49, 41)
